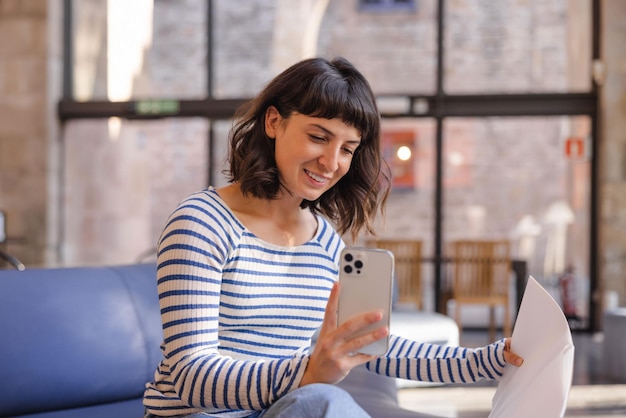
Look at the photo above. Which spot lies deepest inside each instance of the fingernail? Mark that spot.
(519, 362)
(376, 316)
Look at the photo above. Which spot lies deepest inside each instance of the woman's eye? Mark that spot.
(316, 138)
(348, 151)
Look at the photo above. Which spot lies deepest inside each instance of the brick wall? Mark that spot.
(115, 193)
(23, 126)
(612, 192)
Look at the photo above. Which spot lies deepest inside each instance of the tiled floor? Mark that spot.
(592, 394)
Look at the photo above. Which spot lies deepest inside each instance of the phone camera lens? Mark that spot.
(347, 269)
(358, 264)
(348, 257)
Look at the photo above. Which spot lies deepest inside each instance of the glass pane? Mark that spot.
(525, 180)
(409, 148)
(140, 49)
(395, 51)
(256, 39)
(221, 129)
(122, 179)
(509, 46)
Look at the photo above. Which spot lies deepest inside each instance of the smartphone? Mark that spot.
(366, 284)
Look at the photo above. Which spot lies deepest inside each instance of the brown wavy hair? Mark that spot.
(320, 88)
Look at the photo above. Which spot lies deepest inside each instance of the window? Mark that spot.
(459, 111)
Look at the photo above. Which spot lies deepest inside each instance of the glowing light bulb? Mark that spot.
(404, 153)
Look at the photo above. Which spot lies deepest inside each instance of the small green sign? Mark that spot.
(157, 107)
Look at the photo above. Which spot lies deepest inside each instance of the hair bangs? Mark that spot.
(333, 96)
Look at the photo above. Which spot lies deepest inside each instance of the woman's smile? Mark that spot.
(312, 154)
(316, 178)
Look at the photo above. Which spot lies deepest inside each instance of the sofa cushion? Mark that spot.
(142, 286)
(376, 394)
(76, 336)
(123, 409)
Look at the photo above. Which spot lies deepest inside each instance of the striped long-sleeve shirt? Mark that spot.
(238, 315)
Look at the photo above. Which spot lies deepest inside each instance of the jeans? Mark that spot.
(311, 401)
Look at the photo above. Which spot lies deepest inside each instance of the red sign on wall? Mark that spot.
(574, 147)
(399, 151)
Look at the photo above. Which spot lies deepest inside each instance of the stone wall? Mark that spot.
(24, 104)
(612, 169)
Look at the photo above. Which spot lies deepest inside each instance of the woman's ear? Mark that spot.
(272, 121)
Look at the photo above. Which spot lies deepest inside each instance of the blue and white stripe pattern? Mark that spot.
(238, 316)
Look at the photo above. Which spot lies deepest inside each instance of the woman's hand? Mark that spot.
(335, 352)
(509, 356)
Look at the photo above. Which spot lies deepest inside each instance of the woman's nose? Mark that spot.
(330, 159)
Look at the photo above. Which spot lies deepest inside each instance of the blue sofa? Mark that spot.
(78, 342)
(82, 342)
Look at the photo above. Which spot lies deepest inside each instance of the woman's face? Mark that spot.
(312, 154)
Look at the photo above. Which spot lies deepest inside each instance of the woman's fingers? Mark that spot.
(509, 356)
(330, 314)
(336, 349)
(350, 333)
(344, 337)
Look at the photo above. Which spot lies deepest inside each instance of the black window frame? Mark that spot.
(440, 106)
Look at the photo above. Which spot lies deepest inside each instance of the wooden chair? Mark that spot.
(408, 268)
(481, 275)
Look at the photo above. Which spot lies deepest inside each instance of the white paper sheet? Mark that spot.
(540, 387)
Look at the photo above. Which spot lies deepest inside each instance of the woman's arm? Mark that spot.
(193, 249)
(435, 363)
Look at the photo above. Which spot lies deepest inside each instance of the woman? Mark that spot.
(246, 273)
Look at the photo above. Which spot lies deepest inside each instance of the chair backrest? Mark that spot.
(481, 268)
(408, 268)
